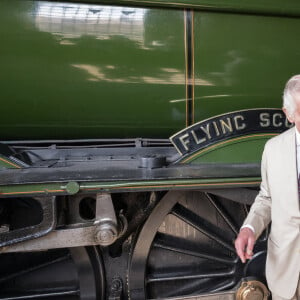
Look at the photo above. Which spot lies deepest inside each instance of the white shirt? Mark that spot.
(298, 149)
(298, 168)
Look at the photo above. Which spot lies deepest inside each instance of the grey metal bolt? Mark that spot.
(4, 228)
(105, 236)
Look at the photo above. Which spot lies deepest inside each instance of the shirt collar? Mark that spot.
(297, 137)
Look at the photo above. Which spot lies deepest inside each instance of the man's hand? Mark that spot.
(244, 244)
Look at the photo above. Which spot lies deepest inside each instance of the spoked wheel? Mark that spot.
(186, 247)
(66, 274)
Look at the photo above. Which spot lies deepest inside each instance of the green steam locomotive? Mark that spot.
(131, 136)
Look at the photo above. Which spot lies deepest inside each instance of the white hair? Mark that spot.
(291, 88)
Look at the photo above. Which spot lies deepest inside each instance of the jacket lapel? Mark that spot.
(290, 171)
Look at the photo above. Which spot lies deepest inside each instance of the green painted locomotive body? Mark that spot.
(77, 71)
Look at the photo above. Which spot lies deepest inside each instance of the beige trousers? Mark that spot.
(296, 296)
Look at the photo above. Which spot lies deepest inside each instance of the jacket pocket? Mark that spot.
(273, 242)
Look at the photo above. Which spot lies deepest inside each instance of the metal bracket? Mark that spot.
(106, 221)
(48, 223)
(116, 289)
(103, 231)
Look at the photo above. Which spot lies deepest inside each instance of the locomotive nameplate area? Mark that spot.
(228, 126)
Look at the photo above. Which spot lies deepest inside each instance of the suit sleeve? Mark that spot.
(260, 213)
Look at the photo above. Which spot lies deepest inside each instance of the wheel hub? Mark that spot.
(252, 290)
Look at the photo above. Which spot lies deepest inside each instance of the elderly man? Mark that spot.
(278, 201)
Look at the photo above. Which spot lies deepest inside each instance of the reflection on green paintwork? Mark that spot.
(272, 7)
(246, 58)
(88, 71)
(78, 70)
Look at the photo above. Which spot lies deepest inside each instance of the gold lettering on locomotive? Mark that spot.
(185, 141)
(265, 120)
(216, 128)
(238, 124)
(227, 126)
(276, 120)
(287, 124)
(206, 130)
(197, 140)
(277, 117)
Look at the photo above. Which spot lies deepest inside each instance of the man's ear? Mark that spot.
(289, 116)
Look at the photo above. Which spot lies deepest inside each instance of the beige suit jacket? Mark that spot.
(278, 201)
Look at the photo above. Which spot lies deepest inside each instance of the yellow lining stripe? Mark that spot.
(141, 187)
(186, 69)
(33, 192)
(10, 163)
(193, 69)
(173, 185)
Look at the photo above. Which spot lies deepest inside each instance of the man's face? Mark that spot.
(295, 118)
